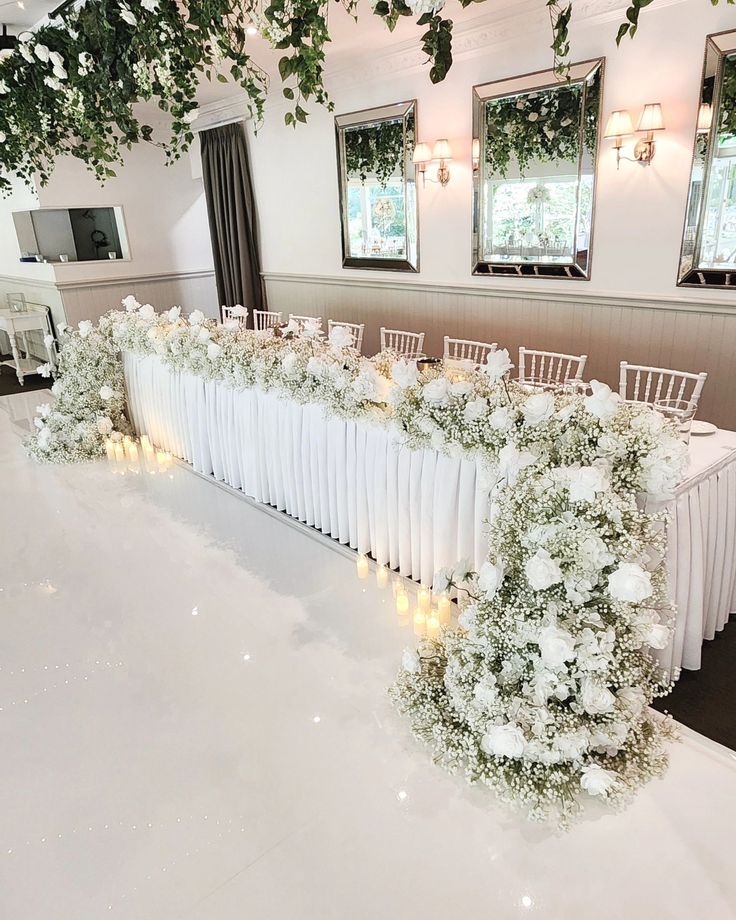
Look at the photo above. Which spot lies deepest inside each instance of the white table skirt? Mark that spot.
(415, 511)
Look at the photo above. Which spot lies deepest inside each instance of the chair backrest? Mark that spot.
(265, 319)
(355, 329)
(403, 343)
(467, 350)
(549, 368)
(651, 384)
(302, 320)
(238, 313)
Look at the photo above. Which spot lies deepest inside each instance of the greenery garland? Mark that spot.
(70, 87)
(375, 150)
(542, 126)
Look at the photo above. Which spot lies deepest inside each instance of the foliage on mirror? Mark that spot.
(70, 87)
(375, 150)
(541, 126)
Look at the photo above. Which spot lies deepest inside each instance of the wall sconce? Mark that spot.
(619, 126)
(476, 155)
(705, 118)
(440, 152)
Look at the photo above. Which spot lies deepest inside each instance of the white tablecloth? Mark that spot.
(415, 511)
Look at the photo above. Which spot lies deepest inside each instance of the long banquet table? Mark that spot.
(413, 510)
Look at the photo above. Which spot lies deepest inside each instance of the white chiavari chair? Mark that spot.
(304, 320)
(237, 314)
(466, 350)
(355, 329)
(410, 344)
(652, 384)
(549, 368)
(265, 319)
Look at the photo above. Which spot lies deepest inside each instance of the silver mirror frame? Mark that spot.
(377, 115)
(521, 85)
(720, 45)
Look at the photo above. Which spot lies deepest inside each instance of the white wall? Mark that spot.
(639, 211)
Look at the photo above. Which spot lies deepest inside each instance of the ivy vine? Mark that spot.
(375, 150)
(70, 87)
(541, 126)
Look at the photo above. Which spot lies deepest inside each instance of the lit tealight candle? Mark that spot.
(444, 608)
(402, 603)
(382, 576)
(433, 624)
(361, 565)
(161, 460)
(423, 599)
(145, 443)
(420, 623)
(133, 459)
(110, 451)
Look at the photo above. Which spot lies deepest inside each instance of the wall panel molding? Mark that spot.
(679, 333)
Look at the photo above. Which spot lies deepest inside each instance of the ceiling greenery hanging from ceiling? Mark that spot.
(70, 87)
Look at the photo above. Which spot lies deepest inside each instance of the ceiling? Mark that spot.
(18, 18)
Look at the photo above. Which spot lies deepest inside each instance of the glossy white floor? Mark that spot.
(195, 726)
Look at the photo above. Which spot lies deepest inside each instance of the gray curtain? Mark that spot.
(232, 217)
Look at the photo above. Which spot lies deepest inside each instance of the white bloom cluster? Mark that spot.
(543, 692)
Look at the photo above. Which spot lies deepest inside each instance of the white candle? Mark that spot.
(145, 443)
(361, 566)
(443, 608)
(433, 624)
(382, 576)
(423, 599)
(402, 603)
(119, 457)
(161, 461)
(420, 622)
(110, 451)
(133, 464)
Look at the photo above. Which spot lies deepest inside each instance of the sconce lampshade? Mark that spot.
(421, 154)
(441, 150)
(651, 118)
(476, 148)
(619, 124)
(705, 118)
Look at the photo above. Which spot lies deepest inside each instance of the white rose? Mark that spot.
(632, 698)
(556, 646)
(410, 661)
(630, 583)
(490, 578)
(597, 781)
(501, 418)
(130, 303)
(214, 351)
(404, 373)
(504, 741)
(48, 341)
(657, 635)
(367, 384)
(44, 410)
(42, 53)
(466, 618)
(461, 388)
(289, 363)
(476, 409)
(203, 335)
(585, 482)
(127, 16)
(52, 83)
(542, 571)
(498, 364)
(595, 698)
(511, 461)
(147, 312)
(572, 746)
(150, 5)
(603, 403)
(174, 314)
(4, 88)
(538, 408)
(106, 393)
(104, 425)
(340, 337)
(311, 329)
(316, 367)
(196, 318)
(436, 391)
(85, 328)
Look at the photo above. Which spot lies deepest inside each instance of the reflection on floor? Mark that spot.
(195, 726)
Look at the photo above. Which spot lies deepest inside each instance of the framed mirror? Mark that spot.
(708, 254)
(378, 193)
(535, 149)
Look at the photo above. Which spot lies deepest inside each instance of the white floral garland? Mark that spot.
(543, 691)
